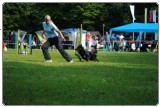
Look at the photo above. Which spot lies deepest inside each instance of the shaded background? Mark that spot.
(29, 16)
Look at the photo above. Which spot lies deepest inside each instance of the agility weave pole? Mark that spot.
(78, 41)
(23, 47)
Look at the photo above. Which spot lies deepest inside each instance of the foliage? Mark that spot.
(29, 16)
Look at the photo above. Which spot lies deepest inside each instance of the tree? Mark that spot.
(29, 16)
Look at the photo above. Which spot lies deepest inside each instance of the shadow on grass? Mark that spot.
(85, 84)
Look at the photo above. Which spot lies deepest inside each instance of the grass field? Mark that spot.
(118, 78)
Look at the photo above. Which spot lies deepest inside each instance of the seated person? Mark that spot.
(133, 46)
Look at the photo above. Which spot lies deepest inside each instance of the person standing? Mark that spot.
(113, 40)
(54, 37)
(88, 35)
(107, 39)
(33, 44)
(121, 37)
(121, 40)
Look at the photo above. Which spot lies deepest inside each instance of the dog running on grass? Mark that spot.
(86, 55)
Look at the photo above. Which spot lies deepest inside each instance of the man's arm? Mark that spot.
(44, 35)
(61, 35)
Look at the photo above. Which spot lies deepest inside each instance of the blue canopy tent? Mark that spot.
(138, 27)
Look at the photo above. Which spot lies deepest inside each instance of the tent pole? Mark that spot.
(133, 32)
(155, 22)
(145, 20)
(140, 41)
(103, 29)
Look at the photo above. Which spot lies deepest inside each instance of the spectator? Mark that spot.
(113, 40)
(121, 36)
(34, 44)
(117, 44)
(107, 41)
(117, 37)
(128, 46)
(88, 35)
(133, 46)
(102, 42)
(123, 44)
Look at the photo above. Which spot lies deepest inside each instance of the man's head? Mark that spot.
(47, 19)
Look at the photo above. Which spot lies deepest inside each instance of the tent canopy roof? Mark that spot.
(137, 27)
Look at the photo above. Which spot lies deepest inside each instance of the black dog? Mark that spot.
(87, 55)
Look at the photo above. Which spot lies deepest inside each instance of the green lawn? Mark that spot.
(119, 78)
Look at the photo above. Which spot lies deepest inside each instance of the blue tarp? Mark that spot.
(137, 27)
